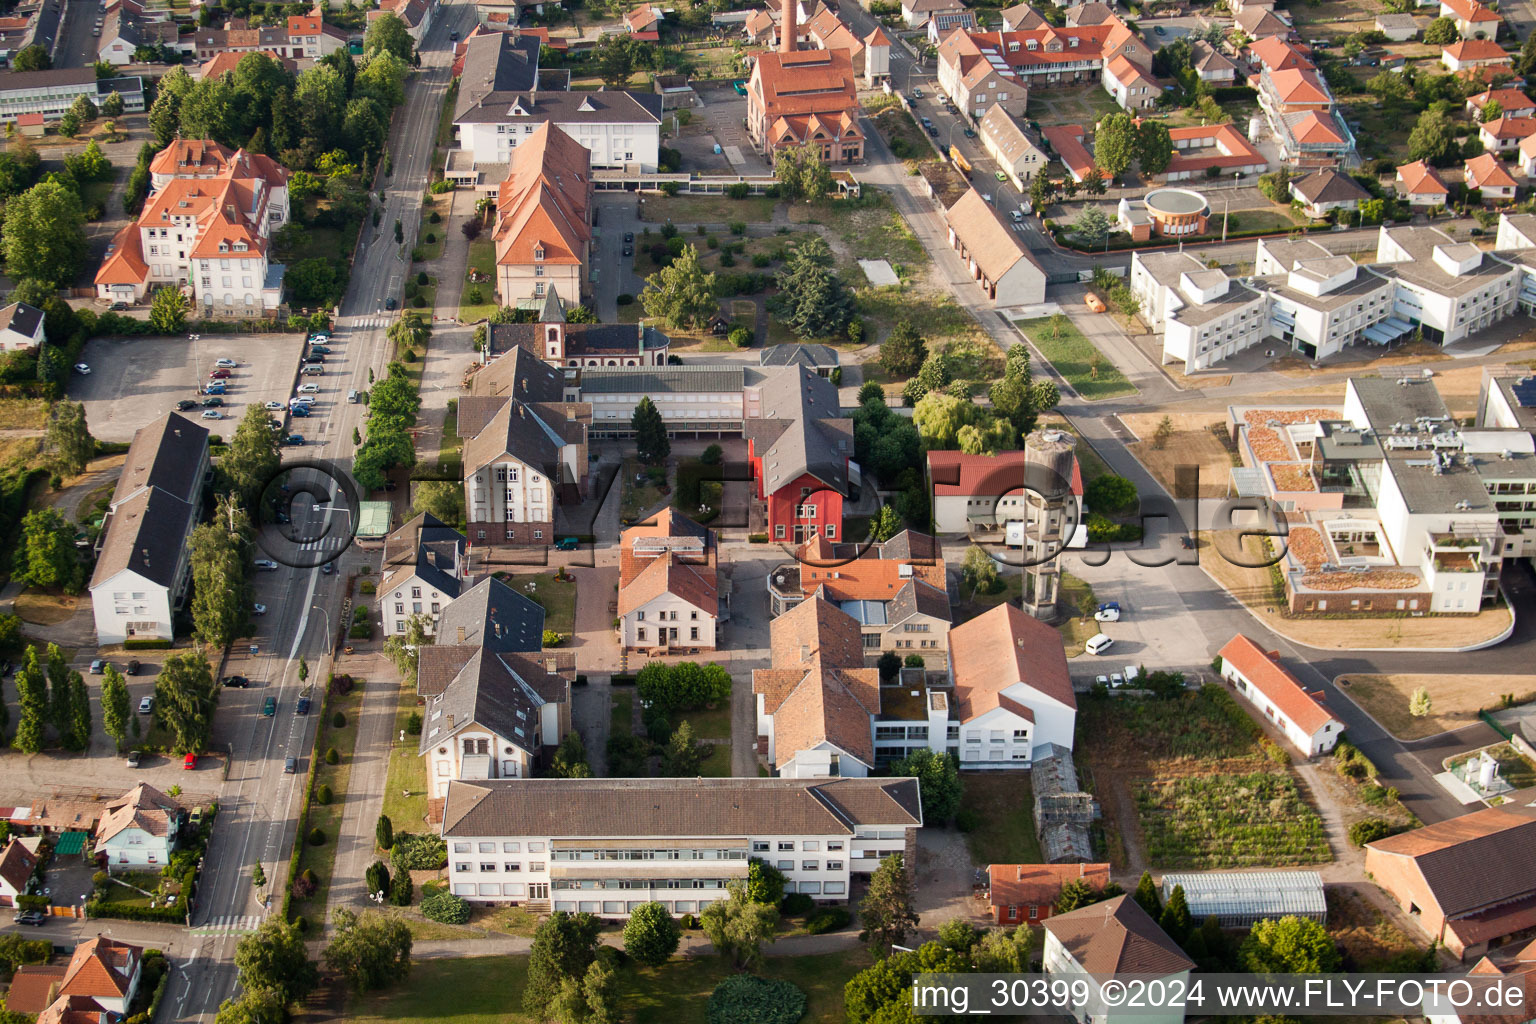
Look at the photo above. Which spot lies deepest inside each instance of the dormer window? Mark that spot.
(240, 247)
(223, 247)
(538, 253)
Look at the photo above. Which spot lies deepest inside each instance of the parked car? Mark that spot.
(1098, 644)
(300, 409)
(216, 387)
(219, 374)
(238, 682)
(212, 403)
(146, 705)
(321, 337)
(353, 397)
(190, 764)
(312, 370)
(98, 666)
(266, 564)
(212, 414)
(133, 667)
(933, 132)
(296, 440)
(185, 404)
(258, 609)
(629, 251)
(315, 357)
(226, 361)
(1109, 612)
(1101, 680)
(83, 369)
(118, 307)
(134, 758)
(302, 707)
(917, 94)
(567, 543)
(320, 349)
(269, 707)
(290, 765)
(629, 236)
(1016, 216)
(970, 133)
(309, 388)
(274, 406)
(35, 918)
(390, 303)
(1000, 175)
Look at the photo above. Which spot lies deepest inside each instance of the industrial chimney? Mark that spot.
(788, 29)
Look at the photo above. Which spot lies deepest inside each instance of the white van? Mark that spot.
(1098, 644)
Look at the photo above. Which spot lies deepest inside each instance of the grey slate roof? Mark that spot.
(580, 339)
(534, 433)
(801, 430)
(496, 616)
(917, 598)
(499, 692)
(439, 550)
(733, 808)
(662, 380)
(583, 107)
(911, 546)
(1329, 186)
(517, 372)
(814, 356)
(21, 318)
(494, 64)
(146, 534)
(165, 453)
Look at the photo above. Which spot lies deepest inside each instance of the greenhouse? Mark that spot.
(1239, 898)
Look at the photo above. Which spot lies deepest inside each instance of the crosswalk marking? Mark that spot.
(228, 924)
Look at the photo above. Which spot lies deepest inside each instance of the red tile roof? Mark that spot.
(1466, 50)
(1276, 54)
(1263, 671)
(1025, 885)
(1487, 172)
(101, 967)
(125, 259)
(1508, 127)
(1511, 101)
(16, 864)
(958, 474)
(1420, 179)
(33, 988)
(1002, 647)
(544, 201)
(1470, 11)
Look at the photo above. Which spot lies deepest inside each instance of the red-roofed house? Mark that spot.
(1276, 53)
(1026, 893)
(31, 125)
(1512, 102)
(206, 229)
(1131, 87)
(968, 489)
(644, 23)
(543, 218)
(1486, 173)
(1503, 134)
(1421, 185)
(1473, 54)
(75, 1010)
(309, 36)
(668, 597)
(1473, 19)
(1259, 679)
(105, 970)
(1012, 692)
(977, 69)
(224, 63)
(16, 866)
(1528, 156)
(1067, 141)
(1215, 145)
(805, 96)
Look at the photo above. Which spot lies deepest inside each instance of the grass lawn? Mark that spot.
(636, 499)
(449, 458)
(431, 251)
(327, 817)
(714, 723)
(681, 210)
(1076, 630)
(482, 258)
(932, 315)
(621, 713)
(870, 227)
(44, 609)
(23, 414)
(96, 193)
(1075, 357)
(1454, 700)
(405, 792)
(556, 597)
(489, 990)
(1005, 808)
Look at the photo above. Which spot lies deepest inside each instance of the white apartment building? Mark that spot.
(1448, 289)
(1322, 305)
(605, 846)
(143, 564)
(54, 91)
(1204, 315)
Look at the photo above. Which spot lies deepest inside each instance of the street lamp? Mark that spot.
(330, 638)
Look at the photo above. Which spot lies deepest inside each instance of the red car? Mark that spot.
(219, 374)
(190, 764)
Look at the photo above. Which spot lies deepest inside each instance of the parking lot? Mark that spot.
(134, 380)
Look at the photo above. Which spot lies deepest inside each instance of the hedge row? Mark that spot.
(297, 855)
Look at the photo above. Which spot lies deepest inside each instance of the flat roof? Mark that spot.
(1175, 200)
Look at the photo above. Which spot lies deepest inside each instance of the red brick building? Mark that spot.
(800, 448)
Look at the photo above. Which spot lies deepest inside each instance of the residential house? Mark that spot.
(416, 14)
(21, 327)
(35, 987)
(563, 344)
(31, 126)
(17, 864)
(869, 56)
(1473, 20)
(1004, 139)
(917, 13)
(1132, 88)
(1527, 157)
(310, 37)
(1326, 190)
(105, 970)
(1319, 303)
(994, 255)
(1114, 937)
(123, 34)
(502, 102)
(1512, 103)
(1486, 174)
(139, 829)
(1261, 24)
(209, 236)
(1260, 679)
(815, 706)
(142, 568)
(1012, 693)
(543, 232)
(493, 710)
(1091, 13)
(524, 459)
(901, 604)
(1419, 184)
(75, 1010)
(800, 449)
(800, 97)
(1066, 140)
(975, 67)
(1474, 55)
(425, 568)
(1026, 893)
(504, 15)
(1519, 974)
(1211, 65)
(669, 597)
(554, 844)
(1469, 882)
(54, 91)
(1398, 28)
(644, 23)
(1504, 133)
(1300, 111)
(1279, 53)
(941, 22)
(1197, 149)
(1021, 17)
(1239, 6)
(225, 63)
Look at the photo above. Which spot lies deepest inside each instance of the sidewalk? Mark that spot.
(694, 944)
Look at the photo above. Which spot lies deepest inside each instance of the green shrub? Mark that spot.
(418, 851)
(332, 756)
(827, 919)
(445, 908)
(796, 904)
(1368, 830)
(323, 795)
(369, 586)
(317, 836)
(436, 217)
(338, 720)
(744, 999)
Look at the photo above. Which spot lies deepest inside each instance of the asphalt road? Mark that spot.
(75, 46)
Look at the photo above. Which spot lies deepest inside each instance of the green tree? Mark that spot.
(185, 697)
(682, 756)
(682, 293)
(570, 760)
(47, 557)
(959, 935)
(274, 959)
(1003, 952)
(885, 524)
(253, 457)
(32, 696)
(1154, 147)
(112, 105)
(382, 79)
(1041, 190)
(934, 375)
(83, 108)
(1092, 227)
(115, 709)
(738, 927)
(1441, 32)
(387, 33)
(903, 351)
(76, 733)
(68, 441)
(370, 951)
(1175, 918)
(376, 878)
(591, 998)
(168, 311)
(165, 112)
(564, 946)
(1111, 495)
(1043, 395)
(801, 172)
(882, 994)
(1078, 893)
(61, 692)
(442, 498)
(811, 300)
(978, 569)
(1114, 144)
(1433, 137)
(1147, 895)
(31, 58)
(765, 883)
(1014, 395)
(651, 442)
(221, 590)
(45, 233)
(1492, 111)
(616, 60)
(651, 934)
(255, 1006)
(939, 417)
(1289, 945)
(938, 778)
(384, 832)
(1420, 704)
(886, 911)
(1162, 433)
